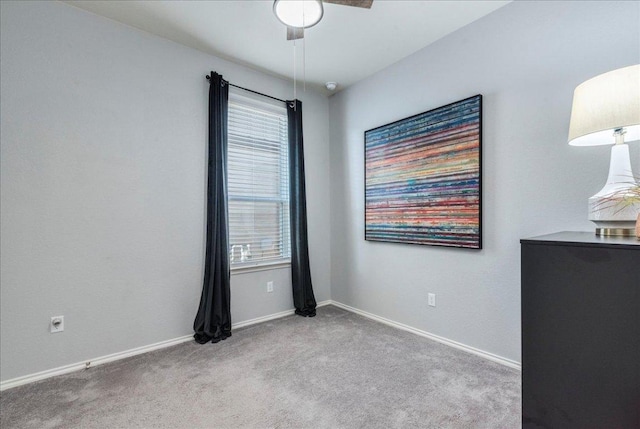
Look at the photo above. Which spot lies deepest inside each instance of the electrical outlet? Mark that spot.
(432, 299)
(269, 287)
(57, 324)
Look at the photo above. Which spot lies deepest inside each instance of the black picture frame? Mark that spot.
(423, 177)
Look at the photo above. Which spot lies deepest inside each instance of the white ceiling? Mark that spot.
(348, 45)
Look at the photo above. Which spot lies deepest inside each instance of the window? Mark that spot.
(258, 182)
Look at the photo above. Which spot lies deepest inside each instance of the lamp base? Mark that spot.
(615, 232)
(613, 209)
(612, 221)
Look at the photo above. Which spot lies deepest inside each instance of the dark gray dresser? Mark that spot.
(580, 331)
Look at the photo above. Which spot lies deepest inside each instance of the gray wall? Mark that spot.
(103, 156)
(526, 59)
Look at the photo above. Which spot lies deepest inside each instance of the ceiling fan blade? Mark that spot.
(355, 3)
(294, 33)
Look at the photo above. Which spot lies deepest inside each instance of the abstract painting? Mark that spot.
(423, 177)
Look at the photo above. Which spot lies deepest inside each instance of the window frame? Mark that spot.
(247, 100)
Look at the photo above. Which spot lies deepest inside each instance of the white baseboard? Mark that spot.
(30, 378)
(90, 363)
(486, 355)
(273, 316)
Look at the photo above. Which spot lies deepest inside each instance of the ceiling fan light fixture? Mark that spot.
(298, 13)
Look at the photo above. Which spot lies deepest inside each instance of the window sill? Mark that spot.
(262, 267)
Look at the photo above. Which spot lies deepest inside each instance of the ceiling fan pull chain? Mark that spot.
(304, 54)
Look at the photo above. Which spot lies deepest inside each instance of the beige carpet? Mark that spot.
(337, 370)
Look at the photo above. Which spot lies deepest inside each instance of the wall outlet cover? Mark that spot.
(56, 324)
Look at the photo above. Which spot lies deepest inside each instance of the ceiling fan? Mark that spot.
(301, 14)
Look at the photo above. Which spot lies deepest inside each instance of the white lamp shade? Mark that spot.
(298, 13)
(605, 103)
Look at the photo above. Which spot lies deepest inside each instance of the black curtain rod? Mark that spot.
(251, 90)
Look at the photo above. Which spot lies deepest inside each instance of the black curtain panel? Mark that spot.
(303, 298)
(213, 321)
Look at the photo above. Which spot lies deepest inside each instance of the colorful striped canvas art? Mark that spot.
(423, 177)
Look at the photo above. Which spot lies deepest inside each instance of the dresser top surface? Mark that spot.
(574, 238)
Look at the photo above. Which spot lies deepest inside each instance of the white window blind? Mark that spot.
(258, 182)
